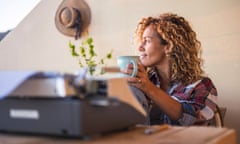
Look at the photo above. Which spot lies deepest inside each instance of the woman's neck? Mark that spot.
(163, 73)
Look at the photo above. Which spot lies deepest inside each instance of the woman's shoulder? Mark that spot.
(203, 85)
(206, 83)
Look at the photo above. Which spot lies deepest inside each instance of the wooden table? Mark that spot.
(163, 134)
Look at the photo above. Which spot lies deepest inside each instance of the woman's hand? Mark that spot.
(141, 80)
(167, 104)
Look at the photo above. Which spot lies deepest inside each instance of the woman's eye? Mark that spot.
(145, 41)
(148, 40)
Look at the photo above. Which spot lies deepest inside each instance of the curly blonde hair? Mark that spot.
(185, 58)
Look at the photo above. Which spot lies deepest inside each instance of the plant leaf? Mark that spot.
(73, 50)
(89, 40)
(109, 55)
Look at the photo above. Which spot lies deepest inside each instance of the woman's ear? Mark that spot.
(168, 48)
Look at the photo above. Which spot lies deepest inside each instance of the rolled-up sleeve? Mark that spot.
(188, 116)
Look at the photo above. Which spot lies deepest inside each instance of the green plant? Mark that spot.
(87, 57)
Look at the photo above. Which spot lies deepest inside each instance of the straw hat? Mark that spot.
(73, 18)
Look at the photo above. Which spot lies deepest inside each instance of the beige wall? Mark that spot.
(36, 44)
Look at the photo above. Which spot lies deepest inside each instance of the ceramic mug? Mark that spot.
(123, 62)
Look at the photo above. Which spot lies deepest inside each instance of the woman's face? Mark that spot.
(152, 52)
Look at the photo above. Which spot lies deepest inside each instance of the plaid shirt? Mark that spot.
(198, 102)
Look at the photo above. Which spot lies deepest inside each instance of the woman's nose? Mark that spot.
(140, 47)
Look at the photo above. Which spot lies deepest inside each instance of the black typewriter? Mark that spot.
(50, 103)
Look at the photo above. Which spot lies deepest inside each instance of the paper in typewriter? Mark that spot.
(118, 87)
(12, 79)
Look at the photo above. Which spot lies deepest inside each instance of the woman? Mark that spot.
(170, 74)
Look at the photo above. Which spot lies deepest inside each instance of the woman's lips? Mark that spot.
(142, 56)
